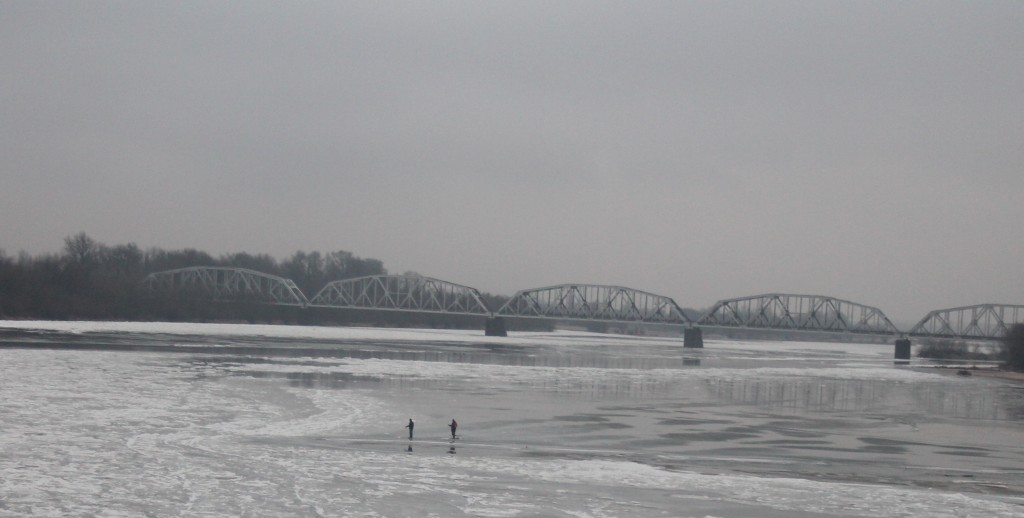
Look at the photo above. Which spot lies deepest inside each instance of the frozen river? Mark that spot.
(119, 419)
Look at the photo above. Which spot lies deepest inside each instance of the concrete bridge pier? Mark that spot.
(693, 338)
(495, 326)
(902, 349)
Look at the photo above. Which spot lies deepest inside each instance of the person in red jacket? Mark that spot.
(454, 425)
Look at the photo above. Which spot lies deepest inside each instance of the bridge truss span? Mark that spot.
(798, 312)
(229, 284)
(401, 293)
(594, 302)
(982, 321)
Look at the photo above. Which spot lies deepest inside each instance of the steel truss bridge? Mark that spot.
(228, 284)
(970, 322)
(584, 302)
(590, 302)
(401, 293)
(798, 312)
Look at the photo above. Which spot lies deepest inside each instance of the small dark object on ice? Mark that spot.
(963, 372)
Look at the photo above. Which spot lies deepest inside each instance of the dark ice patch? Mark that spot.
(690, 421)
(710, 436)
(963, 453)
(581, 418)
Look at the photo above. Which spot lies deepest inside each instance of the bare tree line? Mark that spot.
(91, 280)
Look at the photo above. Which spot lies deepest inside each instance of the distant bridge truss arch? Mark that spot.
(982, 321)
(401, 293)
(798, 312)
(594, 302)
(235, 284)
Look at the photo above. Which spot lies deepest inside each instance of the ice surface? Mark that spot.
(575, 338)
(297, 332)
(529, 374)
(773, 429)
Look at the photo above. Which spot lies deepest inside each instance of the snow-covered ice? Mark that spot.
(236, 420)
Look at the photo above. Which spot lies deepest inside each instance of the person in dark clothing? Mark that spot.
(410, 426)
(454, 425)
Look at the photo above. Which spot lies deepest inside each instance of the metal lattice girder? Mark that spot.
(798, 312)
(988, 321)
(591, 302)
(401, 293)
(222, 283)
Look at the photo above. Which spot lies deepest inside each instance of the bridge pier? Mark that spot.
(902, 349)
(495, 326)
(693, 338)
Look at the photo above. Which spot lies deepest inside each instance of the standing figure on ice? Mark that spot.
(410, 426)
(453, 426)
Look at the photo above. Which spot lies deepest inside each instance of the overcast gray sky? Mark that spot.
(870, 151)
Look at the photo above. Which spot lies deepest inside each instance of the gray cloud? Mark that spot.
(700, 150)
